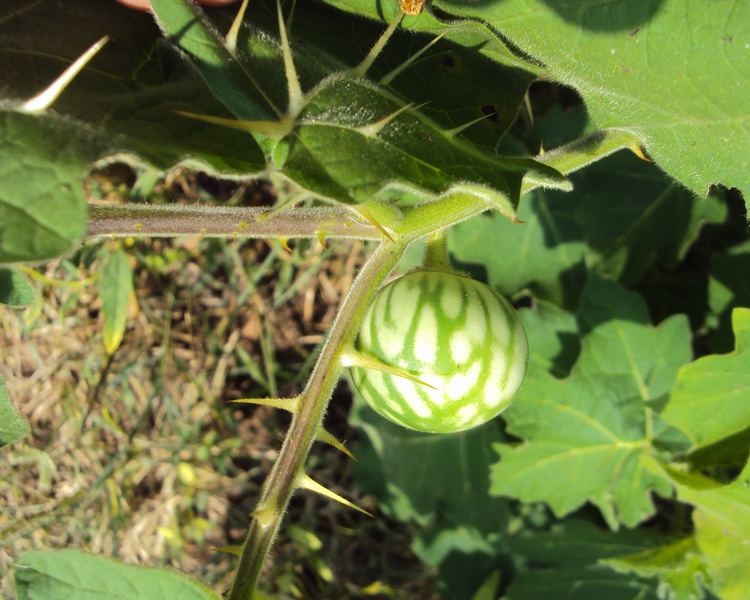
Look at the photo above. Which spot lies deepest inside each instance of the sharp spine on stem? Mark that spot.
(305, 482)
(288, 404)
(354, 358)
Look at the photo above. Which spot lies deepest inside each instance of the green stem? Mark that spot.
(307, 421)
(436, 252)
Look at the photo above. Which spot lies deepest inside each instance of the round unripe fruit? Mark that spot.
(453, 333)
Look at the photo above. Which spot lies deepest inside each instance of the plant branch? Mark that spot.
(125, 220)
(307, 421)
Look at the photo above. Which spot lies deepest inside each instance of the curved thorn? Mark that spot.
(288, 404)
(638, 151)
(46, 98)
(305, 482)
(231, 40)
(354, 358)
(284, 243)
(327, 437)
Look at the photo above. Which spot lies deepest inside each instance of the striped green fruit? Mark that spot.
(453, 333)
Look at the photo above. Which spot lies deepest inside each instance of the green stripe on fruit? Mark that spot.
(454, 333)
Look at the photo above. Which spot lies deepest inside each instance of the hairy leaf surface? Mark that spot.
(75, 575)
(673, 72)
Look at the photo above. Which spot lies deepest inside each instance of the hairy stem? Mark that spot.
(125, 220)
(436, 252)
(307, 421)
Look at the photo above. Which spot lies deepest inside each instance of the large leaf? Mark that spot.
(131, 91)
(622, 216)
(711, 400)
(680, 567)
(561, 562)
(722, 530)
(12, 425)
(673, 72)
(352, 139)
(75, 575)
(335, 155)
(597, 438)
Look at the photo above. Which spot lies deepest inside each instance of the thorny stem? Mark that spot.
(125, 220)
(411, 223)
(282, 482)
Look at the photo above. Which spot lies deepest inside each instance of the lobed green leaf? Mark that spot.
(598, 439)
(711, 399)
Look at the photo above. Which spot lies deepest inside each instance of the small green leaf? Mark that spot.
(620, 340)
(43, 161)
(115, 288)
(12, 425)
(711, 400)
(75, 575)
(680, 567)
(15, 289)
(722, 529)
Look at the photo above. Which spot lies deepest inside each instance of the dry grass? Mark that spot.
(163, 469)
